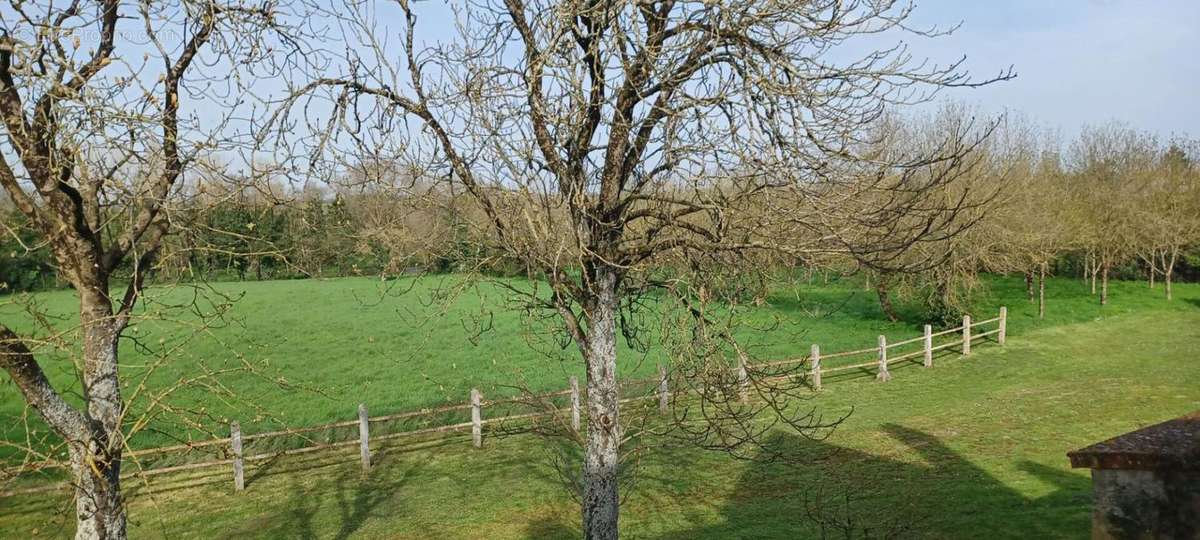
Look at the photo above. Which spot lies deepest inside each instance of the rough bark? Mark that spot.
(18, 362)
(1029, 284)
(600, 497)
(100, 510)
(96, 461)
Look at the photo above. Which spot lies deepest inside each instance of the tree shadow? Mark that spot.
(551, 527)
(918, 488)
(349, 497)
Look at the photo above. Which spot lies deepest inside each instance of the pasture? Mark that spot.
(317, 348)
(976, 442)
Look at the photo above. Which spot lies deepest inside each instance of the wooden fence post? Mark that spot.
(662, 389)
(928, 346)
(743, 379)
(574, 403)
(235, 441)
(883, 375)
(1003, 333)
(816, 366)
(364, 436)
(966, 345)
(476, 418)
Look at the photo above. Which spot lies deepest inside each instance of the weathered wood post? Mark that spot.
(966, 346)
(743, 379)
(574, 403)
(816, 366)
(235, 442)
(476, 418)
(928, 345)
(364, 437)
(662, 389)
(1003, 333)
(883, 375)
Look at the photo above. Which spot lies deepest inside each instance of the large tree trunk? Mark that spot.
(885, 300)
(1029, 284)
(600, 497)
(1042, 291)
(99, 508)
(96, 457)
(94, 437)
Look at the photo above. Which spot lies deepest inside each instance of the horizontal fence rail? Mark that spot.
(240, 448)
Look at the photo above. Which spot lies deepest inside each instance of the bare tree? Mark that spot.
(1168, 209)
(96, 140)
(1109, 163)
(1036, 223)
(943, 270)
(614, 148)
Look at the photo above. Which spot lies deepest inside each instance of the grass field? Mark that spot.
(975, 446)
(341, 342)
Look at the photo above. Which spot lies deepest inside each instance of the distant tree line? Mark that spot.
(1114, 204)
(311, 234)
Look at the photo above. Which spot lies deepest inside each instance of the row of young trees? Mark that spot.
(630, 158)
(1114, 202)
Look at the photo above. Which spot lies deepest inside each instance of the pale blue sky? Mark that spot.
(1079, 61)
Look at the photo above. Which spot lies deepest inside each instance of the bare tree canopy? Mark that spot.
(97, 139)
(604, 141)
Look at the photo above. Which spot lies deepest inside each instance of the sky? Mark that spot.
(1078, 62)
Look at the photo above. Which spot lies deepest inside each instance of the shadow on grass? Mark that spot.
(551, 527)
(334, 508)
(340, 504)
(918, 488)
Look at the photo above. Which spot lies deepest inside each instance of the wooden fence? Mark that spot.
(232, 451)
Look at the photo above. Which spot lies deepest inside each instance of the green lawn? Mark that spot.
(976, 444)
(321, 347)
